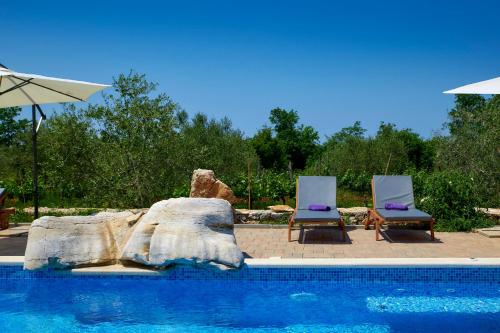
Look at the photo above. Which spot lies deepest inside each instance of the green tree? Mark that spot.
(354, 157)
(9, 126)
(15, 153)
(137, 132)
(212, 144)
(356, 131)
(288, 143)
(69, 146)
(473, 147)
(270, 153)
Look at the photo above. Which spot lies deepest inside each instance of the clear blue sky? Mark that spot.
(333, 62)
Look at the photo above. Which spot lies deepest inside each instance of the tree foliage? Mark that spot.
(390, 151)
(139, 146)
(286, 144)
(473, 146)
(10, 127)
(136, 148)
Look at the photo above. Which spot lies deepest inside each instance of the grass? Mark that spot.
(263, 203)
(347, 198)
(22, 217)
(282, 220)
(462, 224)
(347, 219)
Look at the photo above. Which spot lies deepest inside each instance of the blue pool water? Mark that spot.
(416, 301)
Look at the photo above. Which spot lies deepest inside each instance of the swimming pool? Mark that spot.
(338, 299)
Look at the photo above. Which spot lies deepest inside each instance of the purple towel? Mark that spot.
(395, 206)
(319, 207)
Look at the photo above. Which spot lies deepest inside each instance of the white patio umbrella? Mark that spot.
(20, 89)
(487, 87)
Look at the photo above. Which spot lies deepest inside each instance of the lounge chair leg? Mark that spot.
(342, 229)
(432, 230)
(368, 221)
(290, 225)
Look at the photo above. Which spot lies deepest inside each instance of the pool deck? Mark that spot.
(326, 243)
(267, 242)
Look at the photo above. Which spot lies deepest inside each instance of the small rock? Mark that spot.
(205, 185)
(281, 209)
(353, 210)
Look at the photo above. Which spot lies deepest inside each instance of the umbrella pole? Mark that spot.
(35, 161)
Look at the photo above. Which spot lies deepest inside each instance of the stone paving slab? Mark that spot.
(13, 246)
(493, 232)
(15, 231)
(326, 243)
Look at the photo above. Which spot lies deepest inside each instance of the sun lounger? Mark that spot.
(394, 189)
(316, 190)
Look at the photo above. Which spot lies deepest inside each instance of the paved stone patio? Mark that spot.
(13, 246)
(326, 243)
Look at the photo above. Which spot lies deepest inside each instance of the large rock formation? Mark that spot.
(205, 185)
(71, 241)
(194, 231)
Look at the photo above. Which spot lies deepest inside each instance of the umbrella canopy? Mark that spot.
(487, 87)
(17, 89)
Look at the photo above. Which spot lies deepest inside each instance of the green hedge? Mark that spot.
(451, 198)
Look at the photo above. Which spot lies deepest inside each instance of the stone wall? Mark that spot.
(353, 215)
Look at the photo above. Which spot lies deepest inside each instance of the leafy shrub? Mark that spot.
(182, 191)
(23, 189)
(268, 184)
(348, 198)
(464, 224)
(81, 212)
(282, 220)
(449, 195)
(276, 185)
(451, 198)
(358, 182)
(20, 217)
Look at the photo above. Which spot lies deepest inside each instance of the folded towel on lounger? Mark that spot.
(395, 206)
(319, 207)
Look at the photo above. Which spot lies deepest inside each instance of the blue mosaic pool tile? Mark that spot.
(351, 275)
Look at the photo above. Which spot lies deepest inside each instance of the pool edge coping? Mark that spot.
(277, 262)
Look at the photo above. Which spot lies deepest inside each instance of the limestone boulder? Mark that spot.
(73, 241)
(205, 185)
(190, 231)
